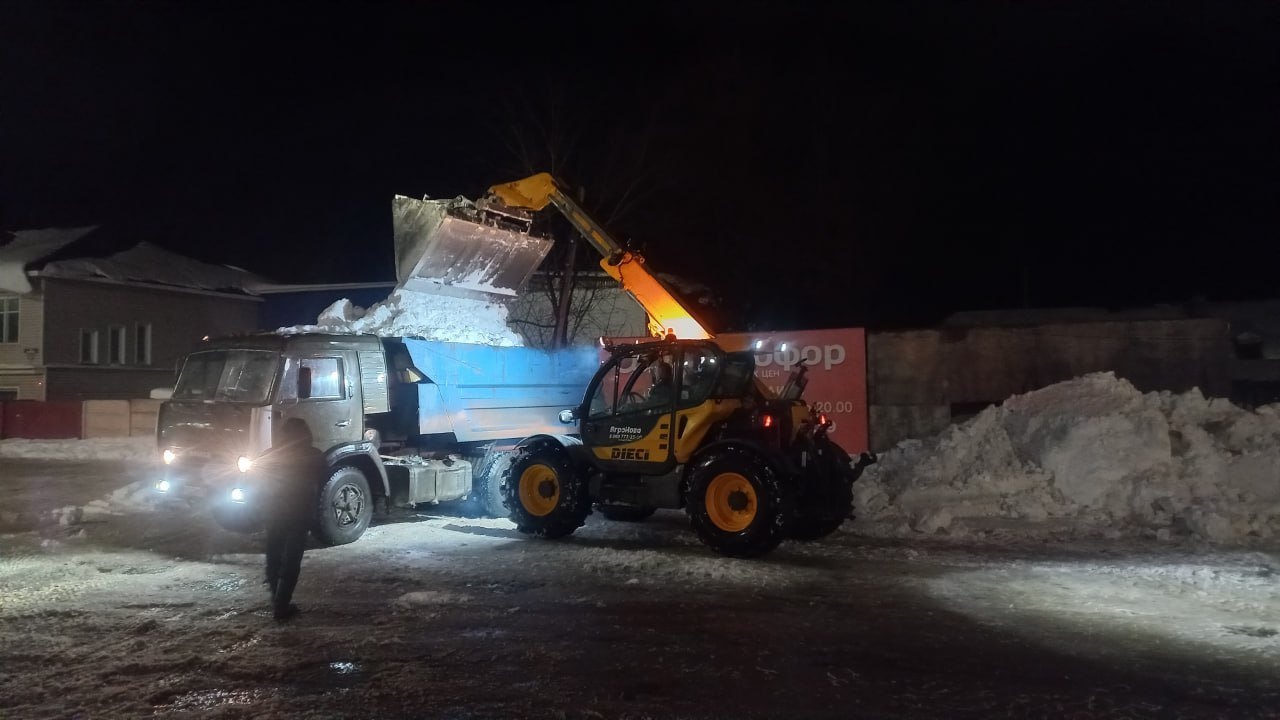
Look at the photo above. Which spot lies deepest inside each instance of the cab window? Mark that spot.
(326, 378)
(644, 382)
(735, 377)
(698, 371)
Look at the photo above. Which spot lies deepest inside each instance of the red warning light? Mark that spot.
(766, 421)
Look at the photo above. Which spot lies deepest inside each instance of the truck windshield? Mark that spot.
(241, 376)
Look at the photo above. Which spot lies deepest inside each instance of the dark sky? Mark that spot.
(817, 164)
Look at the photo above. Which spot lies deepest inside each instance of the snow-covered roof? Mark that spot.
(147, 263)
(29, 246)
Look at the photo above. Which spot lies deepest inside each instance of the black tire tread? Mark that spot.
(574, 506)
(761, 536)
(323, 529)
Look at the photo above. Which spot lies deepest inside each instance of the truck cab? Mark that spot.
(231, 396)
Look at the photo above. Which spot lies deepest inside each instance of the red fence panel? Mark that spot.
(40, 420)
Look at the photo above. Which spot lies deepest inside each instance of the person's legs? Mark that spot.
(294, 542)
(275, 555)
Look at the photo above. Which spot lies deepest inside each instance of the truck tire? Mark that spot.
(345, 507)
(543, 494)
(737, 504)
(626, 513)
(486, 492)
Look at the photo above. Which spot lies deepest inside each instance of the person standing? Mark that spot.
(293, 472)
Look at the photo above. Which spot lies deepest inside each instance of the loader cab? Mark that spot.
(650, 405)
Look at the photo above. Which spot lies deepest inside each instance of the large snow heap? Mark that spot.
(414, 314)
(1090, 456)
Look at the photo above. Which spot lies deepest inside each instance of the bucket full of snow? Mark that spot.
(448, 247)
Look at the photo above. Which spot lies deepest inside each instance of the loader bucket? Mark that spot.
(446, 247)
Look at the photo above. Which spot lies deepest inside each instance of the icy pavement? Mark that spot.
(155, 612)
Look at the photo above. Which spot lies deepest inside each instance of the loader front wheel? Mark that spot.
(543, 494)
(737, 504)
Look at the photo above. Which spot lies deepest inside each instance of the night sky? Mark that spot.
(819, 165)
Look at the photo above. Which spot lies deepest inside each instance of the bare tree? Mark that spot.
(606, 169)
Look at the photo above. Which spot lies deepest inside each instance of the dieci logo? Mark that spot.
(629, 454)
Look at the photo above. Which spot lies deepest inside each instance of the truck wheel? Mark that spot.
(486, 493)
(737, 505)
(626, 513)
(346, 507)
(543, 494)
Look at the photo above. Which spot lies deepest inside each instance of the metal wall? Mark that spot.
(921, 381)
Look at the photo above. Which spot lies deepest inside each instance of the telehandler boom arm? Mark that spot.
(667, 315)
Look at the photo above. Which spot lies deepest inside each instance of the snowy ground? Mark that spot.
(134, 610)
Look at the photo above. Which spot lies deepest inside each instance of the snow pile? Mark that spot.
(413, 314)
(137, 496)
(138, 449)
(1091, 456)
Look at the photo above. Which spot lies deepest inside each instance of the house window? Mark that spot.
(89, 347)
(9, 319)
(142, 344)
(115, 345)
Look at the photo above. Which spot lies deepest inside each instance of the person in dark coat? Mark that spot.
(662, 389)
(294, 471)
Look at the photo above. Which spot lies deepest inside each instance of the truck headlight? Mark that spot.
(243, 464)
(237, 495)
(168, 456)
(163, 486)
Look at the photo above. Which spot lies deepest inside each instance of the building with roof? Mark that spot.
(78, 327)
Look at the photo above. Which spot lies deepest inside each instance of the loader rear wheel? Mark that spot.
(737, 504)
(626, 513)
(817, 521)
(543, 494)
(828, 497)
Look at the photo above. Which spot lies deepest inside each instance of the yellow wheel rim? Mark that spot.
(539, 489)
(731, 502)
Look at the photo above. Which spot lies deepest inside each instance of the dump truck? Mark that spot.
(402, 421)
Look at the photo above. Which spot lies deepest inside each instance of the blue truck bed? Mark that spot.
(484, 393)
